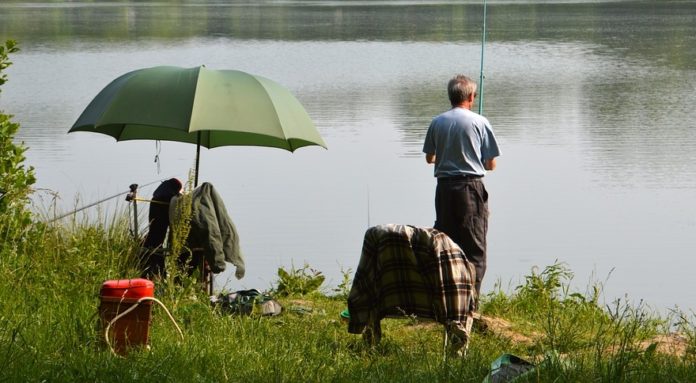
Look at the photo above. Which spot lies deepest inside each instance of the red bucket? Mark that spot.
(133, 329)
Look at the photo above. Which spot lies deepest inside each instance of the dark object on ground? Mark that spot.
(245, 302)
(507, 368)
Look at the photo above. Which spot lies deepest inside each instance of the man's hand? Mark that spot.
(489, 164)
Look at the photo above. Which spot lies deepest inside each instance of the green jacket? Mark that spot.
(212, 230)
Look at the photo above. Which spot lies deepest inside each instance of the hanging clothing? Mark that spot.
(152, 260)
(212, 230)
(158, 215)
(406, 270)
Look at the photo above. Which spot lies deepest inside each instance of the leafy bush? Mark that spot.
(298, 281)
(343, 289)
(15, 179)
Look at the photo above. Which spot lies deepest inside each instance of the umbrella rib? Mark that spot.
(275, 110)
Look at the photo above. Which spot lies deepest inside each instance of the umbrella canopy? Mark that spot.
(210, 108)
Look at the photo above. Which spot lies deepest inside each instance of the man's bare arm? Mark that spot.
(430, 158)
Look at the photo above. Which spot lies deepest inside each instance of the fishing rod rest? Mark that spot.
(133, 192)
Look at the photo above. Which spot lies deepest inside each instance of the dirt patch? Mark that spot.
(502, 328)
(301, 302)
(674, 344)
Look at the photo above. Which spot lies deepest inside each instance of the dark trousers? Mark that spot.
(461, 207)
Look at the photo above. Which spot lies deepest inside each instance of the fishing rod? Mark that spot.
(98, 202)
(483, 50)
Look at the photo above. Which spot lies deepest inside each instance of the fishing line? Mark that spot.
(483, 49)
(97, 203)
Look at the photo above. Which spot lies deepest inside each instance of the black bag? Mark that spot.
(246, 302)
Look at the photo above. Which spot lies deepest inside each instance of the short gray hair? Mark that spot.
(459, 89)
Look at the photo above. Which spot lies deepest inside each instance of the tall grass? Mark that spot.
(578, 340)
(49, 332)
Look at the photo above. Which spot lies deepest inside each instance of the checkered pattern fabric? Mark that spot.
(406, 270)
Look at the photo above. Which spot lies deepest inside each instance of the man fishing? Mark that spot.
(463, 147)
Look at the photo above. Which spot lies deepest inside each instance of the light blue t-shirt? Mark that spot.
(461, 141)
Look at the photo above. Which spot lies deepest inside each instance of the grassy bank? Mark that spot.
(48, 328)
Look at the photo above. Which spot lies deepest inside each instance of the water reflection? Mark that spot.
(591, 103)
(660, 30)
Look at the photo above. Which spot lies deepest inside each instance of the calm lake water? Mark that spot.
(592, 103)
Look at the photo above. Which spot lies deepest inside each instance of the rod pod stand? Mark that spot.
(132, 198)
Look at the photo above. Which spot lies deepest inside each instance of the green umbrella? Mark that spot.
(207, 107)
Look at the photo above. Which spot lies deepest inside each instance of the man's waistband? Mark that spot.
(461, 177)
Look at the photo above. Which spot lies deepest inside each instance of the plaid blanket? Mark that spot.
(406, 270)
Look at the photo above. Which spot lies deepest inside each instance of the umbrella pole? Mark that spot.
(198, 158)
(208, 279)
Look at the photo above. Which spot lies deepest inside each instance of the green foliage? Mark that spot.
(181, 227)
(177, 281)
(587, 342)
(15, 179)
(10, 46)
(343, 289)
(298, 281)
